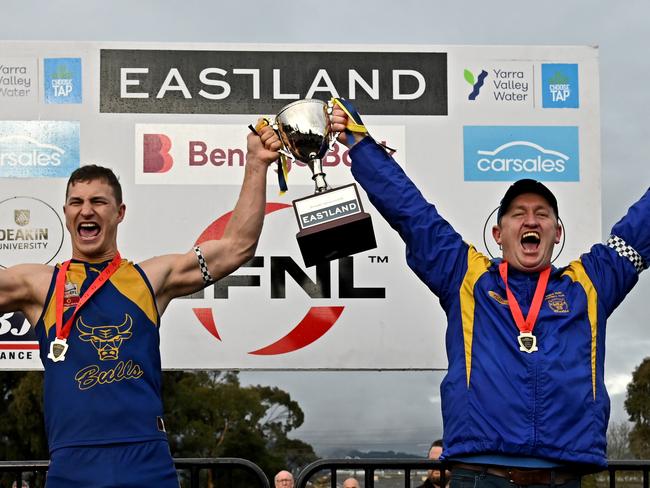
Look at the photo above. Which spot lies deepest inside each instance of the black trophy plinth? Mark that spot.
(333, 225)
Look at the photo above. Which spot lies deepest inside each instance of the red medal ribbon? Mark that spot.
(63, 331)
(528, 324)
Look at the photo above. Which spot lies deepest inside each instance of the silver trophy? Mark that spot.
(332, 221)
(305, 131)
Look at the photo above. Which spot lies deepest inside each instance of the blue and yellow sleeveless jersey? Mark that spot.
(108, 388)
(496, 399)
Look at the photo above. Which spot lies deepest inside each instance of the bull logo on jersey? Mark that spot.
(107, 339)
(557, 302)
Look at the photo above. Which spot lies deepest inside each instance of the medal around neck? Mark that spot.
(58, 348)
(332, 222)
(527, 342)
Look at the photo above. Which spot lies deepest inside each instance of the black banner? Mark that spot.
(259, 82)
(15, 328)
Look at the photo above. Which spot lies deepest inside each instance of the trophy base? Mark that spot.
(336, 239)
(333, 225)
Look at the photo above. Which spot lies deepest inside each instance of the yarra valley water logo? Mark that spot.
(475, 82)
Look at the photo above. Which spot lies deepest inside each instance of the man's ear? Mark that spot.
(558, 233)
(496, 234)
(121, 212)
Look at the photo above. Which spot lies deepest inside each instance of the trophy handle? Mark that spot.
(283, 150)
(332, 136)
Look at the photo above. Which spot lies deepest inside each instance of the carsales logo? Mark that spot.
(200, 154)
(507, 153)
(35, 148)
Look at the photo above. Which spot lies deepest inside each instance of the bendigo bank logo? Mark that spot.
(156, 157)
(197, 154)
(317, 320)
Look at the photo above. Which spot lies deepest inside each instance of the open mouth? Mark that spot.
(88, 230)
(530, 241)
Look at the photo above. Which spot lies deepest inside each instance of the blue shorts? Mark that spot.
(128, 465)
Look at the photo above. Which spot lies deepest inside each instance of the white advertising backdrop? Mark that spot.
(179, 156)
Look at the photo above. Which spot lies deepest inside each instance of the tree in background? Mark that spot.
(618, 441)
(22, 431)
(208, 414)
(637, 404)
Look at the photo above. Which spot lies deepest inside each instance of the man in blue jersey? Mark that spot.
(97, 317)
(524, 399)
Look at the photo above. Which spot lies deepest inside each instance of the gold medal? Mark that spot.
(527, 342)
(58, 348)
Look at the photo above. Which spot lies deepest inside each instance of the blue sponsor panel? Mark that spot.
(508, 153)
(560, 87)
(35, 148)
(62, 80)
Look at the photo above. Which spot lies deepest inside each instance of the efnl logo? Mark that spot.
(506, 153)
(560, 86)
(62, 78)
(475, 81)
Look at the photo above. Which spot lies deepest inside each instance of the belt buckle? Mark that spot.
(509, 473)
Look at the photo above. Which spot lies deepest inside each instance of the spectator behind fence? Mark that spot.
(433, 478)
(524, 400)
(351, 483)
(284, 479)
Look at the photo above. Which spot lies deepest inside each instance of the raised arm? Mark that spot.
(181, 274)
(434, 250)
(23, 288)
(616, 265)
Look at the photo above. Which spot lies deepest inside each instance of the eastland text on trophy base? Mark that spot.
(329, 213)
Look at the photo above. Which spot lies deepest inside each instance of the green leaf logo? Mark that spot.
(469, 77)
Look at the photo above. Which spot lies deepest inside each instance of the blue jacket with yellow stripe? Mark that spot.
(496, 399)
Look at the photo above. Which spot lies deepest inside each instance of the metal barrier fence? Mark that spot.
(229, 471)
(621, 474)
(405, 469)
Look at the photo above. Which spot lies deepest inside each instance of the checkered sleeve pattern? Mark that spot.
(628, 252)
(203, 265)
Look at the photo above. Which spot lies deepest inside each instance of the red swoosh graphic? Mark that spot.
(311, 328)
(207, 320)
(215, 231)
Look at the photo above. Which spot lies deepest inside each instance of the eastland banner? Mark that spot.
(171, 120)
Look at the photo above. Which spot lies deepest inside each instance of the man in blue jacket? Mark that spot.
(524, 399)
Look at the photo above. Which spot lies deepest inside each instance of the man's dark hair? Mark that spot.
(91, 172)
(436, 443)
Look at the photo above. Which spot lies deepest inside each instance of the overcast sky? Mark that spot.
(401, 410)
